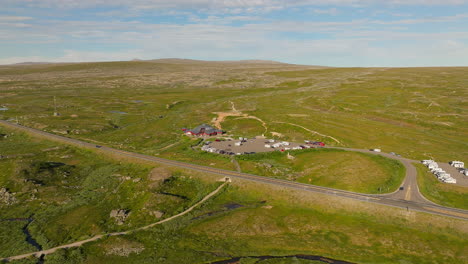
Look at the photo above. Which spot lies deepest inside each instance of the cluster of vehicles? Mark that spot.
(284, 145)
(208, 148)
(252, 146)
(460, 166)
(438, 172)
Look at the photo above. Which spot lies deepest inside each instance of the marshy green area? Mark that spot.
(69, 193)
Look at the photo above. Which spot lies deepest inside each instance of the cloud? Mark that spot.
(236, 29)
(14, 18)
(423, 20)
(77, 56)
(225, 6)
(223, 19)
(331, 11)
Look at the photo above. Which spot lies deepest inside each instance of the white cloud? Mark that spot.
(14, 25)
(331, 11)
(433, 19)
(14, 18)
(222, 19)
(18, 59)
(233, 29)
(225, 5)
(77, 56)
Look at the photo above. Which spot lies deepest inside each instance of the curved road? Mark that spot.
(408, 199)
(410, 190)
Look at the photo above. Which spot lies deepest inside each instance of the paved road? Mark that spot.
(408, 199)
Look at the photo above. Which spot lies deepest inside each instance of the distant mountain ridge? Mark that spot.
(165, 60)
(252, 62)
(178, 60)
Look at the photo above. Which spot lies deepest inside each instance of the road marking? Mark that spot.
(446, 212)
(408, 194)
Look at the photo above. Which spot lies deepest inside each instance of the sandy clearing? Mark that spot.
(276, 134)
(236, 113)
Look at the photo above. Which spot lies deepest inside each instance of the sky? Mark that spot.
(344, 33)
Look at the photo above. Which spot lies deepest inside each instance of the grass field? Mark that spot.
(288, 224)
(141, 106)
(333, 168)
(76, 190)
(69, 193)
(417, 112)
(441, 193)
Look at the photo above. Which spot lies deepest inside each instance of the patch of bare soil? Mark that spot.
(234, 112)
(124, 248)
(157, 175)
(169, 106)
(276, 134)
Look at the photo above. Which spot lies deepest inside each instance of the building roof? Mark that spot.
(204, 128)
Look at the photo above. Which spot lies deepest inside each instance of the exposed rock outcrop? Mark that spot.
(157, 214)
(120, 215)
(7, 197)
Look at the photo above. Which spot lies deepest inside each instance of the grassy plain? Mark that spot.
(73, 201)
(352, 171)
(417, 112)
(142, 106)
(287, 224)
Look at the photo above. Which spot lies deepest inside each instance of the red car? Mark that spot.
(321, 144)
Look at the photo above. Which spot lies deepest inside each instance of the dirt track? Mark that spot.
(80, 243)
(236, 113)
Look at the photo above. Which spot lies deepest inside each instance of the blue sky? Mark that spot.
(314, 32)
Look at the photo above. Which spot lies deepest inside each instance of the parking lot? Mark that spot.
(462, 180)
(252, 145)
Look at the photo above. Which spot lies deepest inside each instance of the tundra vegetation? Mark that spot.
(141, 106)
(69, 193)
